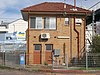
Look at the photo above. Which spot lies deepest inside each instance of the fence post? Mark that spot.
(52, 61)
(67, 60)
(86, 60)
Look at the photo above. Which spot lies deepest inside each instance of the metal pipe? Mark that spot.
(76, 30)
(93, 17)
(28, 42)
(77, 37)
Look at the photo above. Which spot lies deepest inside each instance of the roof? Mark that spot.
(52, 7)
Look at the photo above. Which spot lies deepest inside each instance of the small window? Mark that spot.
(48, 46)
(66, 22)
(37, 47)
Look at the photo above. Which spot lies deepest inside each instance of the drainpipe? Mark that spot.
(76, 31)
(77, 37)
(28, 42)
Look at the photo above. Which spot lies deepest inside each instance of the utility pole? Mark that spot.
(93, 18)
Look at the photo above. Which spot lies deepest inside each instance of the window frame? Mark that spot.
(36, 22)
(37, 49)
(50, 50)
(50, 27)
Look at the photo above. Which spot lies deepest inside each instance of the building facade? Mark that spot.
(54, 29)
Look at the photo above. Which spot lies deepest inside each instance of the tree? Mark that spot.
(95, 44)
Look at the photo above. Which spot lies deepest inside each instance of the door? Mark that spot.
(48, 53)
(37, 54)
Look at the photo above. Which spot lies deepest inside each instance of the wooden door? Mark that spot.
(48, 53)
(37, 54)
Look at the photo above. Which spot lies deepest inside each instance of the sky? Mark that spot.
(10, 9)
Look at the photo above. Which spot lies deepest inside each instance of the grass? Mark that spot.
(5, 67)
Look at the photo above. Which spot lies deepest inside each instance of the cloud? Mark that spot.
(11, 8)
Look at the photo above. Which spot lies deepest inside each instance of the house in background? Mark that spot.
(92, 29)
(18, 27)
(3, 27)
(89, 32)
(54, 28)
(13, 35)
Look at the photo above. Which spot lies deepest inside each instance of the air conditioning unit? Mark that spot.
(78, 21)
(56, 52)
(45, 35)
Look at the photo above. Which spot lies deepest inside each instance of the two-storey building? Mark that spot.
(54, 28)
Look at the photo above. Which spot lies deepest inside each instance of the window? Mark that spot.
(66, 22)
(49, 47)
(37, 47)
(36, 22)
(50, 22)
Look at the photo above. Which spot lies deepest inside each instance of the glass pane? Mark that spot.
(48, 47)
(37, 47)
(32, 22)
(46, 22)
(39, 22)
(52, 23)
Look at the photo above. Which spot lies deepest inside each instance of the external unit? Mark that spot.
(45, 35)
(56, 52)
(78, 21)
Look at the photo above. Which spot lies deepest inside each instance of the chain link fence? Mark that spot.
(10, 54)
(89, 60)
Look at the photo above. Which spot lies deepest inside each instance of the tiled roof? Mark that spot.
(52, 7)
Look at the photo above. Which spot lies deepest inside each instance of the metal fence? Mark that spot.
(11, 58)
(89, 60)
(10, 53)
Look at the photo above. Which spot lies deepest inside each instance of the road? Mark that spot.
(16, 72)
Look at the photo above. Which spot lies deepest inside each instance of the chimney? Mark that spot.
(64, 4)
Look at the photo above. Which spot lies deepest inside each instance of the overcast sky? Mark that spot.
(10, 9)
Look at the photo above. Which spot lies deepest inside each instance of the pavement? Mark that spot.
(55, 72)
(46, 71)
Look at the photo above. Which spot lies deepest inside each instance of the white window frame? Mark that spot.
(51, 20)
(36, 22)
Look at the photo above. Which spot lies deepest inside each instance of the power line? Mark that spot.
(94, 5)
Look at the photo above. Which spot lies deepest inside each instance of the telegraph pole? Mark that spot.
(93, 18)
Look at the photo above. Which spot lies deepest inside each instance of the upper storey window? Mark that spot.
(36, 22)
(50, 22)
